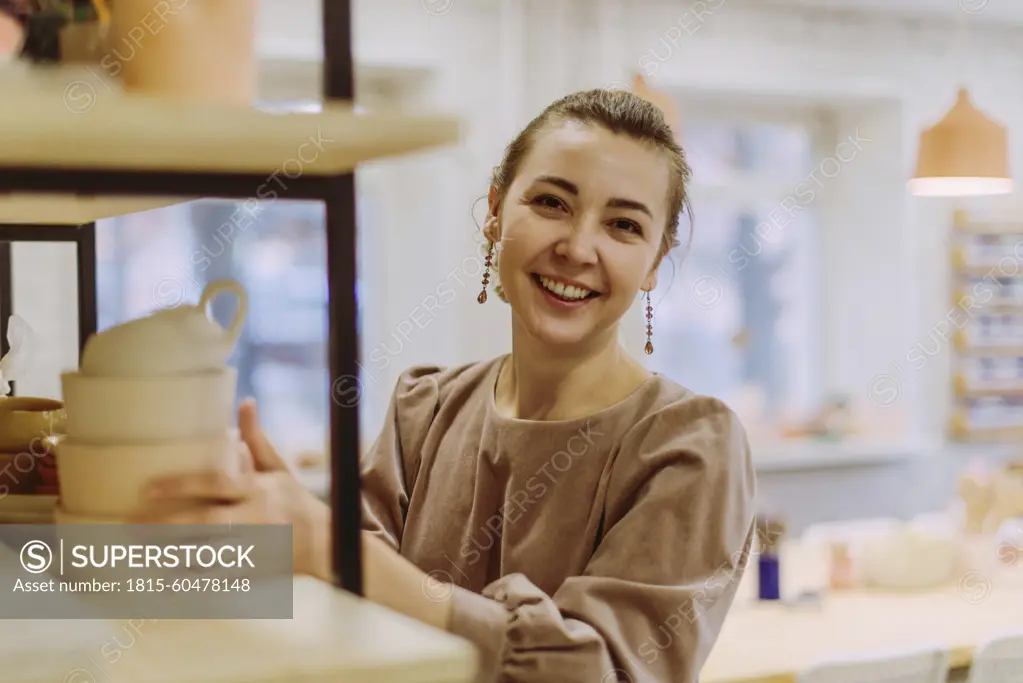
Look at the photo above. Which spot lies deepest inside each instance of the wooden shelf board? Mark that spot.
(987, 436)
(73, 119)
(989, 393)
(991, 351)
(990, 228)
(59, 209)
(982, 270)
(334, 636)
(992, 308)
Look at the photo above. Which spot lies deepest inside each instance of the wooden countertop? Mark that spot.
(772, 643)
(333, 637)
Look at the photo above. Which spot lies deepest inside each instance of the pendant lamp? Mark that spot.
(660, 100)
(964, 154)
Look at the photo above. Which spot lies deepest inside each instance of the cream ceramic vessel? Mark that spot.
(910, 559)
(182, 340)
(115, 410)
(109, 480)
(62, 516)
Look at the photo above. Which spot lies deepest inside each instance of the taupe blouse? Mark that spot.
(601, 549)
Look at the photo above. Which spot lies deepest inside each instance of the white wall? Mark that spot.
(501, 62)
(45, 294)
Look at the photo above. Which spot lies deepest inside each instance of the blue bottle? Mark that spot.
(768, 577)
(770, 532)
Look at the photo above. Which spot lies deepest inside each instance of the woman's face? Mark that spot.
(580, 231)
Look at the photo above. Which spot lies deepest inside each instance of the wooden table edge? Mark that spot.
(960, 657)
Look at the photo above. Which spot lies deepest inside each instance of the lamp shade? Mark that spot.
(964, 154)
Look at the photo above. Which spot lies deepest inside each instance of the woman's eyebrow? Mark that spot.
(614, 202)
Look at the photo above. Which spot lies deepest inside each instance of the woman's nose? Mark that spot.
(579, 245)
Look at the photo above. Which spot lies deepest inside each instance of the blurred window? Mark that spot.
(277, 252)
(740, 318)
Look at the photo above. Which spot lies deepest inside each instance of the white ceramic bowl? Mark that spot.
(94, 537)
(110, 410)
(88, 537)
(108, 480)
(910, 559)
(62, 516)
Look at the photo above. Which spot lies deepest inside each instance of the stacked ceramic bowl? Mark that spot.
(28, 428)
(153, 398)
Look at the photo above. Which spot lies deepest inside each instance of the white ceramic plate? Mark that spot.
(25, 509)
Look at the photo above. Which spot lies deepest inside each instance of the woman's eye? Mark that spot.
(628, 226)
(548, 201)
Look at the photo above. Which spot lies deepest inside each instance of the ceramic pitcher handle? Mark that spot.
(234, 329)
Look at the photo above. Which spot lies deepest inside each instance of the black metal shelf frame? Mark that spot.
(84, 239)
(338, 193)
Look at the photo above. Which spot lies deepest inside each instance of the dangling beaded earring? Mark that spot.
(482, 298)
(649, 325)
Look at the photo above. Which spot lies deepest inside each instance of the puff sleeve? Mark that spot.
(388, 470)
(679, 521)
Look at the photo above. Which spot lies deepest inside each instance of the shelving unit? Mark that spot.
(986, 330)
(63, 167)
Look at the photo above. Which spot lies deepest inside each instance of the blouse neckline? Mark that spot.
(490, 384)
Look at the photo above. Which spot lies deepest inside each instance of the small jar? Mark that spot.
(840, 567)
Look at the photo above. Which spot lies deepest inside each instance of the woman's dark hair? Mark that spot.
(619, 112)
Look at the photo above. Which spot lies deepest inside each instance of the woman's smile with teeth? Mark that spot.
(565, 291)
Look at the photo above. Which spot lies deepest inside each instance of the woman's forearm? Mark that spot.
(318, 530)
(394, 582)
(389, 579)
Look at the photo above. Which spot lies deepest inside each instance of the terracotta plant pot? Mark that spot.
(186, 49)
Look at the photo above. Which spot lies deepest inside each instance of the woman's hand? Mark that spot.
(266, 492)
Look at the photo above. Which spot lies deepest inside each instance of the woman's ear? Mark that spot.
(492, 227)
(650, 283)
(492, 230)
(492, 201)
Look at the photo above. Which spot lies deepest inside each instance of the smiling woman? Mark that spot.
(560, 506)
(584, 248)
